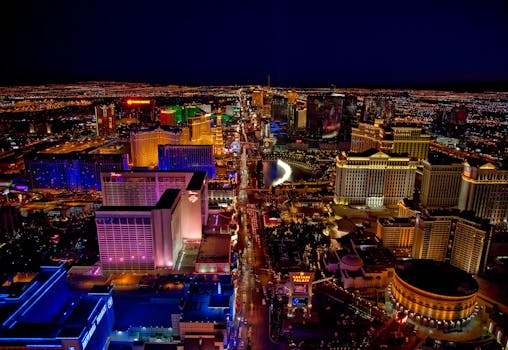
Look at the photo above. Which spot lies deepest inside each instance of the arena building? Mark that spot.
(433, 293)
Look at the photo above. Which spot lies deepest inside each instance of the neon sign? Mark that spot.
(95, 322)
(302, 277)
(138, 102)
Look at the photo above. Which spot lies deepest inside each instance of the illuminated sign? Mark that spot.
(116, 175)
(300, 301)
(193, 197)
(301, 277)
(138, 102)
(95, 322)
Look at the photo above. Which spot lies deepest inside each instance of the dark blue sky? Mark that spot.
(313, 42)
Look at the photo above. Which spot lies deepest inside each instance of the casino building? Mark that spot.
(145, 188)
(74, 165)
(140, 238)
(374, 178)
(39, 311)
(433, 293)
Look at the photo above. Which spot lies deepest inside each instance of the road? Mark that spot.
(252, 315)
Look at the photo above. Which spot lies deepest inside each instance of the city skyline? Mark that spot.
(251, 217)
(457, 44)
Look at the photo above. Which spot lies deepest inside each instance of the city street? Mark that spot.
(252, 315)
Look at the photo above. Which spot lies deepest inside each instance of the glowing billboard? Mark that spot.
(138, 102)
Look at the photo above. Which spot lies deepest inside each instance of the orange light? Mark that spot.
(138, 102)
(301, 278)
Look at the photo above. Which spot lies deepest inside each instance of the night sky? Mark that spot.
(312, 42)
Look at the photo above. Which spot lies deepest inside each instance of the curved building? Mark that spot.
(433, 293)
(351, 262)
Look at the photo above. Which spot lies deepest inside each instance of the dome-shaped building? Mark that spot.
(351, 262)
(434, 293)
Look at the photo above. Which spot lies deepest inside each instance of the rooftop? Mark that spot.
(77, 146)
(436, 277)
(214, 248)
(168, 199)
(438, 158)
(397, 222)
(197, 181)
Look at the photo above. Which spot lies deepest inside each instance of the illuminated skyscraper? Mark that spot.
(279, 109)
(106, 120)
(167, 116)
(431, 237)
(374, 178)
(144, 144)
(376, 108)
(393, 139)
(397, 234)
(140, 109)
(291, 96)
(324, 116)
(137, 238)
(187, 158)
(257, 98)
(484, 190)
(470, 245)
(200, 130)
(301, 118)
(144, 188)
(441, 180)
(452, 236)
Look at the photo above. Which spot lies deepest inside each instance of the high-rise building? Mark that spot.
(460, 238)
(484, 190)
(441, 180)
(106, 120)
(397, 234)
(39, 311)
(376, 109)
(187, 158)
(144, 188)
(324, 116)
(374, 178)
(258, 98)
(140, 109)
(431, 237)
(301, 118)
(145, 143)
(182, 113)
(471, 244)
(393, 139)
(200, 130)
(74, 165)
(279, 109)
(167, 116)
(137, 238)
(292, 97)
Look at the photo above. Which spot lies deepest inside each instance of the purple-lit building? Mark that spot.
(145, 188)
(138, 238)
(39, 311)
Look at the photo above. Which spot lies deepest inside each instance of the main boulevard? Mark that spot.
(252, 307)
